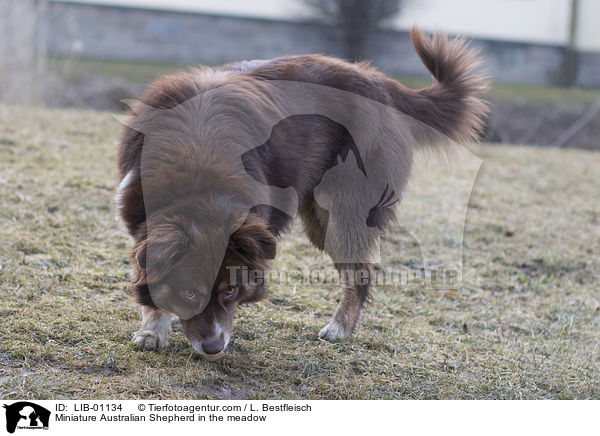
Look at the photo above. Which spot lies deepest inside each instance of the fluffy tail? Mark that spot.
(451, 104)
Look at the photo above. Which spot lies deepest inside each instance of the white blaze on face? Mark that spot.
(218, 333)
(217, 329)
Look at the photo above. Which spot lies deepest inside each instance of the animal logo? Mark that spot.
(24, 414)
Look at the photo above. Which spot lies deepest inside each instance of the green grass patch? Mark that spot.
(141, 73)
(137, 72)
(533, 93)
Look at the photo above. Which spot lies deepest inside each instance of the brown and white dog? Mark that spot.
(298, 153)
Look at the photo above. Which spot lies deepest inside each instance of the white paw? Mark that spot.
(333, 331)
(151, 340)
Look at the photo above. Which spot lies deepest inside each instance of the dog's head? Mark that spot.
(177, 261)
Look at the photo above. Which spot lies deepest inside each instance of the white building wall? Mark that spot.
(588, 36)
(536, 21)
(540, 21)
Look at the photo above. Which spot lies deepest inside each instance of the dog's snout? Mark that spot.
(213, 346)
(209, 332)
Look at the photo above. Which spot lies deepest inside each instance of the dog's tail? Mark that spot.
(451, 105)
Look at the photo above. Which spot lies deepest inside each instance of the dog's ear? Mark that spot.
(163, 245)
(253, 242)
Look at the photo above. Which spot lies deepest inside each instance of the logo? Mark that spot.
(353, 202)
(26, 415)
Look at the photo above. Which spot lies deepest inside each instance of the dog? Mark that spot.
(198, 180)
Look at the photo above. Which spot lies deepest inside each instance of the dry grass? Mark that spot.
(525, 324)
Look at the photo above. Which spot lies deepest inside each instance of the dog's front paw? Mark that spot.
(333, 331)
(150, 340)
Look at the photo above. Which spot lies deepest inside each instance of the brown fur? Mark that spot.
(300, 150)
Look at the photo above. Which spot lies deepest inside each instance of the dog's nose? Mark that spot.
(213, 347)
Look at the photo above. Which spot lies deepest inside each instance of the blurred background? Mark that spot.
(543, 55)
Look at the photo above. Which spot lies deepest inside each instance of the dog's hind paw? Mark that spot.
(333, 331)
(150, 340)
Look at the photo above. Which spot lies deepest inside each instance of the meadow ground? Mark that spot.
(524, 324)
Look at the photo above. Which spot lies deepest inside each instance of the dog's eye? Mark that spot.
(190, 294)
(230, 291)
